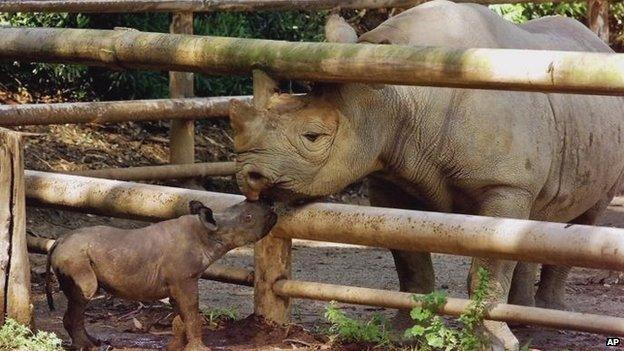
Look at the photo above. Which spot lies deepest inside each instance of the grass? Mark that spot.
(346, 329)
(17, 337)
(429, 333)
(214, 316)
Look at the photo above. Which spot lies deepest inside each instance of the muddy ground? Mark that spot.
(145, 326)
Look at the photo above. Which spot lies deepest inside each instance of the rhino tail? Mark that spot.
(48, 277)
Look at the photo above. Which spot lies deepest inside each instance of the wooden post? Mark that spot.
(598, 18)
(182, 143)
(272, 255)
(15, 299)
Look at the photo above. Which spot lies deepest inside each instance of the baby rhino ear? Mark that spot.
(207, 219)
(195, 206)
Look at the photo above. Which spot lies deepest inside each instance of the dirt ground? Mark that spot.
(128, 325)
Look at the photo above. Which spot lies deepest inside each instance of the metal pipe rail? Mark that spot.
(108, 6)
(499, 312)
(503, 238)
(116, 111)
(216, 272)
(539, 70)
(163, 172)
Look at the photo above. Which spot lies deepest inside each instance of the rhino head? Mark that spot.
(303, 147)
(300, 147)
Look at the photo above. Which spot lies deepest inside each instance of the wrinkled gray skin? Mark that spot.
(162, 260)
(552, 157)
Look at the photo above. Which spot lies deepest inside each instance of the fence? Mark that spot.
(181, 84)
(549, 71)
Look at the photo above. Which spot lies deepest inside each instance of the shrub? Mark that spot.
(17, 337)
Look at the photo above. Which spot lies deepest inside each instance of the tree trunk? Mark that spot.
(598, 18)
(15, 301)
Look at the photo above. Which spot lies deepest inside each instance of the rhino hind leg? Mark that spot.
(522, 291)
(74, 320)
(551, 289)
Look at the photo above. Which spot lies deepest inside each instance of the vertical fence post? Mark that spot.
(15, 300)
(598, 18)
(272, 255)
(182, 138)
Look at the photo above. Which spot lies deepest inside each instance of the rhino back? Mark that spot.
(565, 148)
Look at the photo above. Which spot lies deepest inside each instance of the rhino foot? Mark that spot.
(501, 337)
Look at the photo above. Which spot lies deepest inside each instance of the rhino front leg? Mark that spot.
(414, 269)
(510, 203)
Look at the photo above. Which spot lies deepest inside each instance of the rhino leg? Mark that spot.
(500, 202)
(414, 269)
(185, 293)
(551, 289)
(522, 291)
(74, 320)
(177, 327)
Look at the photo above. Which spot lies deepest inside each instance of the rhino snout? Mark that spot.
(252, 182)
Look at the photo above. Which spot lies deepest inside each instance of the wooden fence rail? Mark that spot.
(554, 243)
(504, 69)
(116, 111)
(164, 172)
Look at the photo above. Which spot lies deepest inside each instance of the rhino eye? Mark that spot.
(312, 136)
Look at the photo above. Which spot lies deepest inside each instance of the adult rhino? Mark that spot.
(551, 157)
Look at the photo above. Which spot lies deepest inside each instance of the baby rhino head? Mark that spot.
(237, 225)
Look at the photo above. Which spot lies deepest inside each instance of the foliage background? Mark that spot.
(75, 82)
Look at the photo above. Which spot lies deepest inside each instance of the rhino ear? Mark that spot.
(195, 206)
(207, 219)
(337, 30)
(241, 114)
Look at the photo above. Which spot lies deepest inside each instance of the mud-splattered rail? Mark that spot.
(522, 240)
(502, 69)
(499, 312)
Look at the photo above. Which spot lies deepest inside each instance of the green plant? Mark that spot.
(431, 333)
(17, 337)
(215, 315)
(347, 329)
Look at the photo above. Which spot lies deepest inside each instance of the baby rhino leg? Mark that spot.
(186, 295)
(177, 327)
(79, 284)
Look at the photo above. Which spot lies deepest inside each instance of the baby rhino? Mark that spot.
(162, 260)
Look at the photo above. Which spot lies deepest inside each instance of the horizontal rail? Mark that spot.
(216, 272)
(116, 111)
(522, 240)
(182, 171)
(499, 312)
(502, 69)
(104, 6)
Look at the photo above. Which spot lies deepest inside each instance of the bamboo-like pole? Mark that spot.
(502, 238)
(15, 300)
(103, 6)
(505, 69)
(185, 171)
(182, 132)
(216, 272)
(116, 111)
(499, 312)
